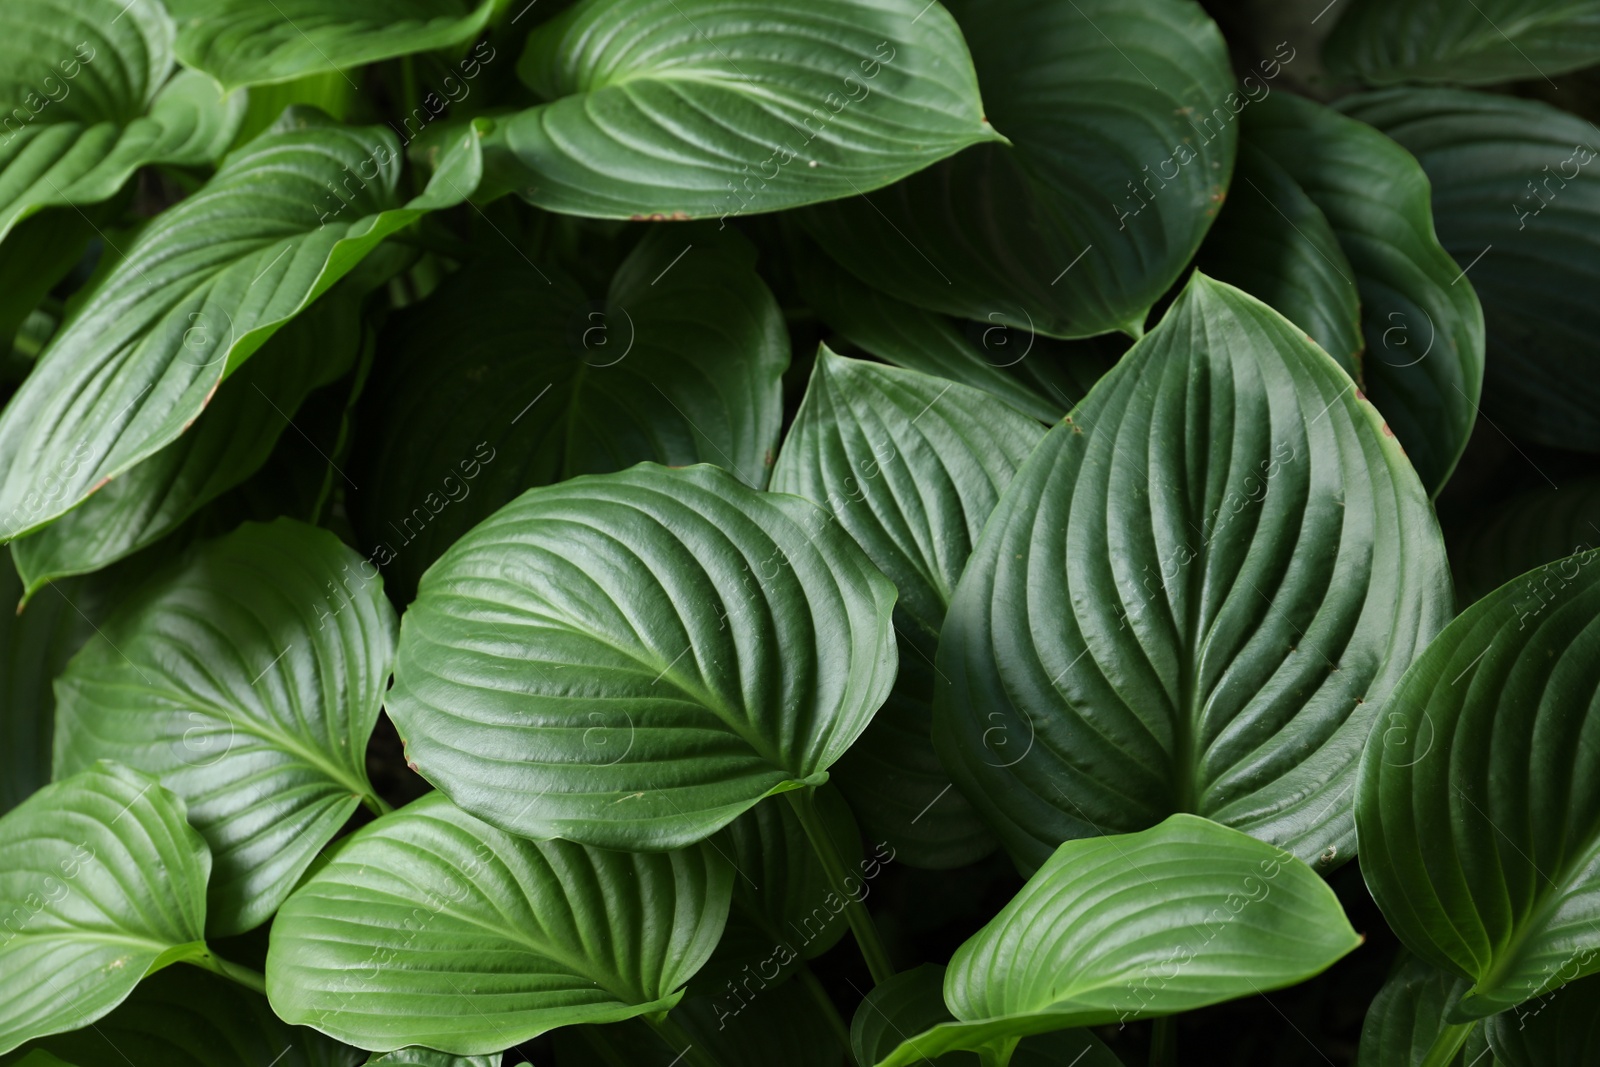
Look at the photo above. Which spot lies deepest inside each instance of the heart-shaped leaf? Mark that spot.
(1406, 1023)
(632, 660)
(101, 883)
(1386, 42)
(230, 440)
(685, 112)
(1478, 819)
(1038, 376)
(1515, 208)
(184, 1017)
(509, 377)
(254, 42)
(81, 92)
(249, 679)
(1051, 233)
(1195, 596)
(1524, 532)
(1423, 326)
(430, 927)
(200, 290)
(910, 466)
(1185, 914)
(1560, 1030)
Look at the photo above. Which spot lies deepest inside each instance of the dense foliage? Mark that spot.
(800, 533)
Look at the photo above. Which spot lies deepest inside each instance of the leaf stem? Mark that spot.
(1447, 1044)
(674, 1035)
(1164, 1042)
(376, 804)
(214, 963)
(803, 801)
(830, 1011)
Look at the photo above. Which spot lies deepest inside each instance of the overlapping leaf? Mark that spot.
(1122, 116)
(718, 108)
(101, 882)
(200, 290)
(910, 466)
(1184, 914)
(1195, 596)
(632, 660)
(1477, 809)
(1523, 533)
(1518, 207)
(430, 927)
(251, 42)
(1561, 1030)
(1406, 1023)
(509, 377)
(249, 680)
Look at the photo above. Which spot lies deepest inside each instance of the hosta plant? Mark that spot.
(815, 533)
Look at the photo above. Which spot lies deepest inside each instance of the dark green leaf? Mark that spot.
(1561, 1029)
(431, 927)
(632, 660)
(1522, 533)
(1406, 1022)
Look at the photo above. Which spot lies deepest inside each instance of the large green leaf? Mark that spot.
(680, 112)
(1406, 1023)
(228, 443)
(1524, 532)
(1477, 808)
(910, 466)
(510, 377)
(249, 679)
(1185, 914)
(184, 1017)
(1561, 1030)
(1385, 42)
(632, 660)
(81, 92)
(1038, 376)
(430, 927)
(199, 291)
(1516, 210)
(1195, 596)
(1422, 322)
(1076, 228)
(101, 882)
(254, 42)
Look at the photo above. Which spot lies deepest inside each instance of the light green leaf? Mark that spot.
(1524, 532)
(910, 466)
(510, 377)
(1406, 1023)
(184, 1017)
(1185, 914)
(430, 927)
(101, 882)
(1386, 42)
(86, 102)
(633, 660)
(1422, 323)
(1517, 205)
(1560, 1030)
(1075, 228)
(1250, 565)
(256, 42)
(201, 289)
(229, 442)
(249, 679)
(1477, 818)
(719, 108)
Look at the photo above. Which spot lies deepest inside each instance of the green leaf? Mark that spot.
(422, 1057)
(1421, 320)
(1560, 1030)
(1386, 42)
(258, 42)
(430, 927)
(1524, 532)
(910, 466)
(509, 377)
(1406, 1022)
(1478, 826)
(201, 289)
(249, 679)
(1274, 242)
(1051, 233)
(1514, 209)
(101, 882)
(184, 1017)
(33, 260)
(1038, 376)
(1182, 915)
(229, 442)
(86, 102)
(685, 112)
(730, 645)
(1251, 564)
